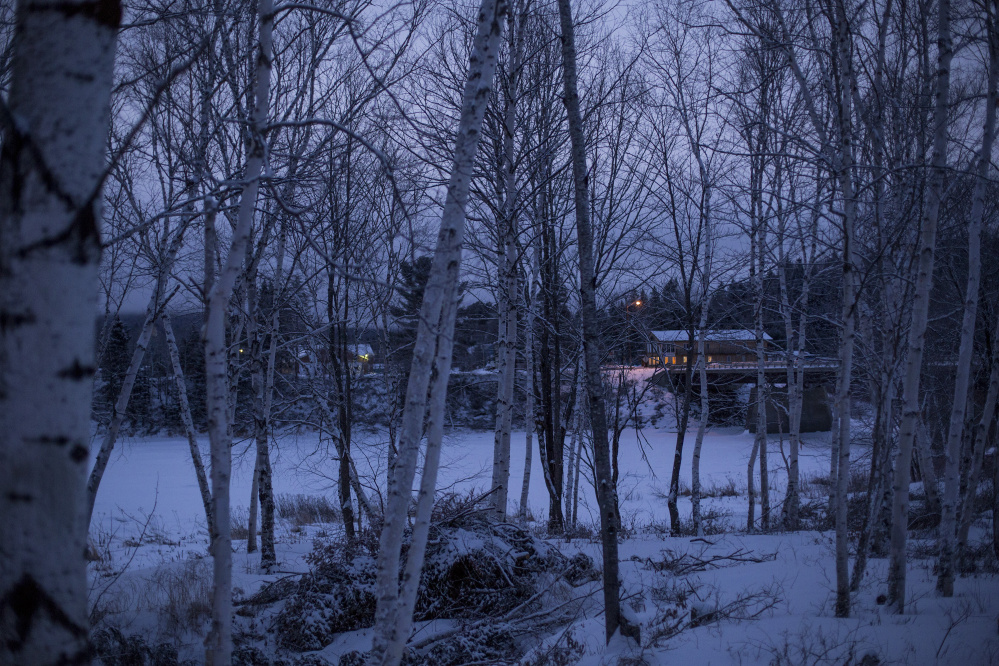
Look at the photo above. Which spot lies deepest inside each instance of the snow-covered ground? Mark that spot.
(155, 475)
(772, 602)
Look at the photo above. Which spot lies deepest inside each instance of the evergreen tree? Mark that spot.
(192, 360)
(114, 365)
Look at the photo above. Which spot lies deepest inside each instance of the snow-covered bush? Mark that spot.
(481, 645)
(337, 595)
(475, 568)
(113, 648)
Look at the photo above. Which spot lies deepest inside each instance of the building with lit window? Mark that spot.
(722, 347)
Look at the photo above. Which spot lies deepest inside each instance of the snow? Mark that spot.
(150, 487)
(156, 474)
(714, 335)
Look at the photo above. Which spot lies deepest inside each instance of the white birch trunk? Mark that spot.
(920, 309)
(268, 556)
(218, 643)
(507, 353)
(580, 444)
(572, 465)
(392, 620)
(981, 438)
(529, 424)
(177, 374)
(153, 310)
(508, 298)
(125, 393)
(795, 377)
(428, 479)
(755, 268)
(256, 361)
(844, 377)
(951, 544)
(977, 212)
(50, 191)
(761, 376)
(702, 367)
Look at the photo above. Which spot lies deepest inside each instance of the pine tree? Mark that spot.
(114, 365)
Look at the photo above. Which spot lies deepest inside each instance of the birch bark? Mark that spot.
(434, 332)
(920, 310)
(795, 356)
(177, 375)
(702, 367)
(529, 422)
(218, 643)
(153, 309)
(951, 544)
(507, 300)
(55, 125)
(762, 390)
(844, 169)
(262, 420)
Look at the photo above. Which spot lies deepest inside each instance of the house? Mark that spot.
(315, 361)
(672, 348)
(359, 358)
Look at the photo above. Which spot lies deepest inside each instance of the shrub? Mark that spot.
(480, 645)
(113, 648)
(474, 568)
(337, 595)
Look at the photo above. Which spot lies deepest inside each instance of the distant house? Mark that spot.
(359, 358)
(672, 348)
(312, 362)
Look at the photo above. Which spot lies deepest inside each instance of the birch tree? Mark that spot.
(394, 610)
(177, 374)
(920, 310)
(54, 124)
(508, 254)
(170, 245)
(218, 645)
(773, 24)
(950, 539)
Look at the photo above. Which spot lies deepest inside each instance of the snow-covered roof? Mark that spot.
(732, 335)
(360, 350)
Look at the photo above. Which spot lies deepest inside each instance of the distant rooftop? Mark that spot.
(719, 335)
(360, 350)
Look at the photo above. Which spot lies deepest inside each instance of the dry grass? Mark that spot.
(239, 520)
(727, 488)
(181, 596)
(306, 509)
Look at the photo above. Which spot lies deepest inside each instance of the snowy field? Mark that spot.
(155, 475)
(767, 600)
